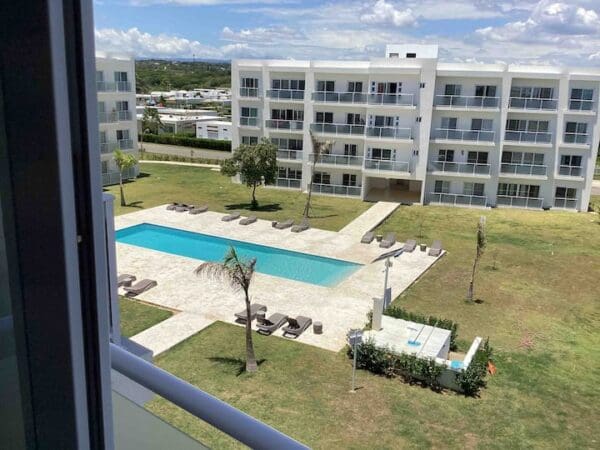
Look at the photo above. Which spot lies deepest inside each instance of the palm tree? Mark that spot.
(319, 149)
(123, 161)
(238, 274)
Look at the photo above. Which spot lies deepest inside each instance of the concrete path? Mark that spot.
(177, 163)
(189, 152)
(369, 219)
(596, 187)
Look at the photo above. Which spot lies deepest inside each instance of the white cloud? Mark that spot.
(202, 2)
(382, 12)
(261, 35)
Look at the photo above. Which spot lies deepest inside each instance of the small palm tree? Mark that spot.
(124, 161)
(238, 274)
(319, 149)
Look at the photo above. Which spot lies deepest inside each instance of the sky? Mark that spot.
(563, 32)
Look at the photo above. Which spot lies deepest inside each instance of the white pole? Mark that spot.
(388, 264)
(354, 371)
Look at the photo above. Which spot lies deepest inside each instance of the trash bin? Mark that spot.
(260, 316)
(423, 247)
(317, 328)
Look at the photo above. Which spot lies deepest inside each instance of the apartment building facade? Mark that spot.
(408, 128)
(115, 83)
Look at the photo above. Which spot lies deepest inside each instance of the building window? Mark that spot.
(570, 160)
(476, 189)
(449, 123)
(324, 117)
(525, 158)
(354, 119)
(387, 88)
(249, 140)
(383, 121)
(348, 179)
(122, 135)
(322, 178)
(249, 112)
(294, 85)
(441, 187)
(355, 86)
(482, 124)
(581, 99)
(250, 83)
(350, 149)
(532, 126)
(445, 155)
(485, 91)
(287, 114)
(382, 154)
(576, 132)
(122, 105)
(120, 76)
(564, 192)
(477, 157)
(532, 92)
(325, 86)
(452, 89)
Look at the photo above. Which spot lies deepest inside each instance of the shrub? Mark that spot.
(147, 156)
(472, 380)
(172, 139)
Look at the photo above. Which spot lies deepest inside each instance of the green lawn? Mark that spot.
(539, 308)
(137, 316)
(160, 184)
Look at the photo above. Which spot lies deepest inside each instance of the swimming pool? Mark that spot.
(269, 260)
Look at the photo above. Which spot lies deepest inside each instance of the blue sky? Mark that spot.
(525, 31)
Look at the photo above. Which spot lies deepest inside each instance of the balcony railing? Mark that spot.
(123, 86)
(464, 168)
(337, 128)
(549, 104)
(114, 116)
(337, 189)
(285, 94)
(520, 202)
(113, 86)
(576, 138)
(284, 124)
(389, 132)
(464, 135)
(109, 178)
(523, 169)
(457, 199)
(339, 160)
(392, 99)
(528, 137)
(249, 121)
(288, 183)
(249, 92)
(283, 153)
(109, 147)
(581, 105)
(387, 165)
(570, 171)
(461, 101)
(339, 97)
(566, 203)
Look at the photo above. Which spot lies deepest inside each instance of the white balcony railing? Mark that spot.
(249, 121)
(337, 189)
(109, 178)
(109, 147)
(249, 92)
(576, 138)
(549, 104)
(566, 203)
(570, 171)
(283, 153)
(339, 160)
(520, 202)
(339, 97)
(387, 165)
(114, 116)
(389, 132)
(285, 94)
(113, 86)
(337, 128)
(392, 99)
(463, 168)
(581, 105)
(288, 183)
(279, 124)
(464, 135)
(457, 199)
(523, 169)
(528, 137)
(461, 101)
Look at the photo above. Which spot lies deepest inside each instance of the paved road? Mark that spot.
(185, 151)
(596, 187)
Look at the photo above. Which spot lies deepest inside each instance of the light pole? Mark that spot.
(386, 300)
(354, 340)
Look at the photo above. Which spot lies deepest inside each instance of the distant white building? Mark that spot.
(214, 129)
(115, 83)
(178, 120)
(185, 99)
(408, 128)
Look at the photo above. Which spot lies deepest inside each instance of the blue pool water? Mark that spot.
(270, 260)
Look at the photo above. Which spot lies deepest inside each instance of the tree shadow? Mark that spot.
(238, 365)
(144, 175)
(248, 206)
(138, 204)
(324, 216)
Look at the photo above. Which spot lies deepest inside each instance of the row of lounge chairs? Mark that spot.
(388, 240)
(126, 282)
(298, 228)
(182, 207)
(409, 246)
(294, 328)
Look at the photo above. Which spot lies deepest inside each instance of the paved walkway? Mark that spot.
(369, 219)
(190, 152)
(596, 187)
(178, 163)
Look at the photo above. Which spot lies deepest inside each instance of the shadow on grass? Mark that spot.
(248, 206)
(144, 175)
(138, 204)
(324, 216)
(238, 365)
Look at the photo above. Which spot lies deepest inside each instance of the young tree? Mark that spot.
(481, 244)
(151, 121)
(319, 149)
(238, 274)
(254, 163)
(124, 161)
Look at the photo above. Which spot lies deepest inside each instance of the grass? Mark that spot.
(539, 307)
(137, 316)
(160, 184)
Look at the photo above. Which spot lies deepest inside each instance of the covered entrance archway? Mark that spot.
(392, 190)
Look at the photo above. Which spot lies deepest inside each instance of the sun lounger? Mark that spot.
(183, 207)
(435, 249)
(230, 217)
(296, 326)
(125, 280)
(272, 324)
(172, 206)
(248, 220)
(410, 245)
(285, 224)
(139, 287)
(368, 237)
(388, 240)
(254, 308)
(199, 209)
(302, 226)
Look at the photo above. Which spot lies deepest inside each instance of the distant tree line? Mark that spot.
(163, 75)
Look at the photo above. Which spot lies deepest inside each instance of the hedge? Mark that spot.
(472, 380)
(147, 156)
(171, 139)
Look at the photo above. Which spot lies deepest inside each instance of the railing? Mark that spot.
(337, 128)
(464, 135)
(533, 137)
(288, 183)
(109, 178)
(339, 97)
(387, 165)
(123, 86)
(337, 189)
(566, 203)
(224, 417)
(465, 168)
(339, 160)
(125, 144)
(105, 86)
(392, 99)
(521, 202)
(389, 132)
(289, 154)
(533, 103)
(285, 94)
(523, 169)
(280, 124)
(581, 105)
(114, 116)
(248, 92)
(570, 171)
(461, 101)
(457, 199)
(576, 138)
(249, 121)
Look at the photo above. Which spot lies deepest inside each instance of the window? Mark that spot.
(250, 83)
(452, 89)
(477, 157)
(120, 76)
(249, 112)
(485, 91)
(411, 55)
(102, 137)
(324, 117)
(533, 126)
(449, 123)
(287, 144)
(526, 158)
(122, 105)
(582, 94)
(387, 88)
(570, 160)
(354, 119)
(473, 189)
(355, 86)
(393, 55)
(441, 187)
(348, 179)
(383, 121)
(384, 154)
(350, 149)
(99, 76)
(101, 107)
(507, 189)
(532, 92)
(249, 140)
(285, 172)
(322, 178)
(446, 155)
(482, 124)
(576, 127)
(287, 114)
(325, 86)
(564, 192)
(122, 135)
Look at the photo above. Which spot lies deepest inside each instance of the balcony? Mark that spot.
(109, 178)
(389, 132)
(444, 198)
(565, 203)
(581, 105)
(465, 102)
(109, 147)
(533, 104)
(570, 171)
(248, 121)
(576, 138)
(523, 169)
(113, 86)
(519, 202)
(392, 99)
(340, 97)
(387, 165)
(338, 128)
(337, 189)
(248, 92)
(450, 134)
(278, 124)
(528, 137)
(295, 155)
(285, 94)
(339, 160)
(462, 168)
(115, 116)
(290, 183)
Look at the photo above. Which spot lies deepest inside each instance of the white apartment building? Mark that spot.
(214, 129)
(115, 83)
(408, 128)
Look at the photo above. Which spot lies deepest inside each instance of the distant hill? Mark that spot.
(163, 75)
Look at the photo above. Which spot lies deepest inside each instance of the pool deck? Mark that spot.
(204, 301)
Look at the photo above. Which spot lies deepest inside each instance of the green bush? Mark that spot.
(172, 139)
(147, 156)
(472, 380)
(446, 324)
